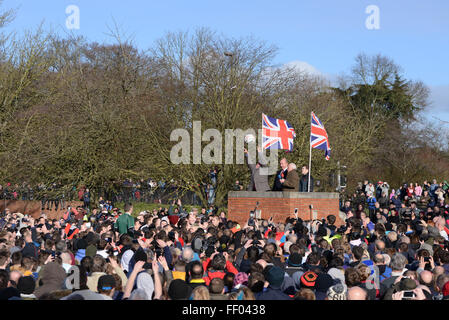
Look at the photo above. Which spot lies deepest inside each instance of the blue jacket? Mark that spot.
(432, 190)
(80, 254)
(371, 201)
(385, 274)
(397, 202)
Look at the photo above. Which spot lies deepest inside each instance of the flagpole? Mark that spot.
(310, 153)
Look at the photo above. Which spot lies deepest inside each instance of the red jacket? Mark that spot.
(279, 235)
(217, 274)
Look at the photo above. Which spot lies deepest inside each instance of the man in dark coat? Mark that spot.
(304, 182)
(281, 174)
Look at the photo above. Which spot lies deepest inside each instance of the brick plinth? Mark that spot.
(281, 205)
(33, 208)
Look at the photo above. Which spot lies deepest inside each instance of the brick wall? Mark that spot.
(33, 208)
(281, 205)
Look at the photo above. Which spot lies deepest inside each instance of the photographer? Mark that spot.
(406, 288)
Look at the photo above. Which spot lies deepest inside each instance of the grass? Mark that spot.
(142, 206)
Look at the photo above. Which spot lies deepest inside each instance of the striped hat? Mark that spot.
(308, 279)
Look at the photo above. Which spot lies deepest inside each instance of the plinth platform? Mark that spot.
(282, 205)
(33, 208)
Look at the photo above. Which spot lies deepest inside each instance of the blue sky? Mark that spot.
(325, 35)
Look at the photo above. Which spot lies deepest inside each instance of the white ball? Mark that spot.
(250, 138)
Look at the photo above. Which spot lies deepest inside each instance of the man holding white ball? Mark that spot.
(258, 182)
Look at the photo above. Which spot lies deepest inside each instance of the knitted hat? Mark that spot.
(337, 292)
(26, 285)
(308, 279)
(294, 260)
(179, 290)
(275, 277)
(323, 282)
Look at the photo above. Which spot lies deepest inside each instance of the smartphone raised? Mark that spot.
(408, 295)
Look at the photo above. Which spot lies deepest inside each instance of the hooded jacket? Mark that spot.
(51, 278)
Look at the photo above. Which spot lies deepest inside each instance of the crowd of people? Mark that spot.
(57, 195)
(386, 250)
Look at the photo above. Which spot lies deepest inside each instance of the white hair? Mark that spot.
(187, 254)
(292, 165)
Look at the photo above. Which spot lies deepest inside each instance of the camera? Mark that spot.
(251, 215)
(251, 222)
(256, 241)
(408, 295)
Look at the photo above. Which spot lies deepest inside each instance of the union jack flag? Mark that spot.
(277, 134)
(318, 137)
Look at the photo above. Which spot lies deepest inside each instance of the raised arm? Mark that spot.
(157, 281)
(138, 267)
(262, 159)
(251, 165)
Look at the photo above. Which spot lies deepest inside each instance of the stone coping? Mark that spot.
(285, 195)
